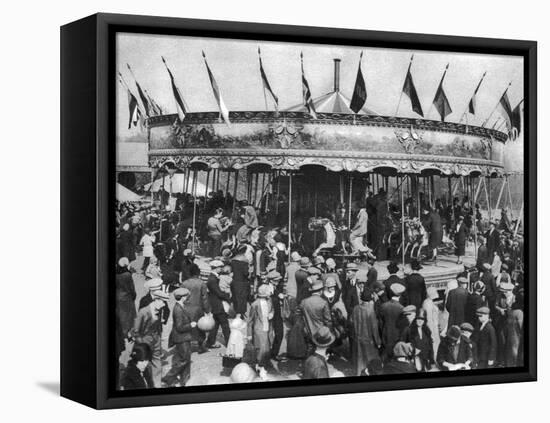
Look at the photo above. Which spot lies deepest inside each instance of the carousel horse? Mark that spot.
(416, 237)
(318, 224)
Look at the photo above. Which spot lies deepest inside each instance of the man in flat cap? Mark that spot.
(491, 288)
(402, 356)
(486, 340)
(503, 307)
(416, 286)
(393, 269)
(390, 313)
(456, 302)
(180, 338)
(151, 286)
(475, 300)
(197, 304)
(277, 297)
(148, 329)
(453, 352)
(352, 287)
(301, 276)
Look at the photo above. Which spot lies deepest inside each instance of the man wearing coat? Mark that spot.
(215, 298)
(454, 353)
(351, 288)
(486, 340)
(390, 313)
(315, 311)
(148, 329)
(180, 338)
(197, 304)
(456, 303)
(125, 303)
(393, 268)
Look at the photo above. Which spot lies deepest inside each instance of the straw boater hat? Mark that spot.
(323, 337)
(462, 280)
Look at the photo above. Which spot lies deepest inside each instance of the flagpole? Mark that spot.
(438, 87)
(473, 94)
(498, 102)
(138, 98)
(401, 95)
(121, 78)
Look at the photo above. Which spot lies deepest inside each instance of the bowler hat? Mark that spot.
(323, 337)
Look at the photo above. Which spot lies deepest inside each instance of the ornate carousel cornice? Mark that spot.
(201, 118)
(335, 161)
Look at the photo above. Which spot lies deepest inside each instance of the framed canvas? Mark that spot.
(254, 211)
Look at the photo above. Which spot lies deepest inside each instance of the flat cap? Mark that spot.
(181, 292)
(462, 279)
(274, 275)
(351, 266)
(483, 310)
(410, 309)
(466, 326)
(313, 271)
(397, 288)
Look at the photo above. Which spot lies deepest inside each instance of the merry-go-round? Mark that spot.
(320, 176)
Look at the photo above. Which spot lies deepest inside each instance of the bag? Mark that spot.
(230, 362)
(249, 354)
(286, 310)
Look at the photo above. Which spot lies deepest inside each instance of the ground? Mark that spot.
(206, 369)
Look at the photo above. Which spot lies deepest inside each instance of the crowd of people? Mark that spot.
(259, 296)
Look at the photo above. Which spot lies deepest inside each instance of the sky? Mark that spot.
(234, 64)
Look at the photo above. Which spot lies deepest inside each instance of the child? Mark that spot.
(235, 346)
(259, 325)
(226, 277)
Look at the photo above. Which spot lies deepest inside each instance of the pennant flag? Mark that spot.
(359, 97)
(217, 94)
(133, 106)
(516, 121)
(440, 100)
(142, 95)
(410, 91)
(155, 108)
(180, 106)
(306, 92)
(511, 117)
(472, 103)
(265, 82)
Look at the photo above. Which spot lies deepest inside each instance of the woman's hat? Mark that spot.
(295, 256)
(323, 337)
(479, 287)
(330, 282)
(415, 265)
(123, 262)
(453, 333)
(486, 266)
(366, 295)
(504, 266)
(313, 271)
(403, 349)
(393, 267)
(264, 291)
(319, 260)
(330, 263)
(181, 292)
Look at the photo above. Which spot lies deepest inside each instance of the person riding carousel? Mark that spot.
(358, 233)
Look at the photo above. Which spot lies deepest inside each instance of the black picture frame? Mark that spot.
(87, 198)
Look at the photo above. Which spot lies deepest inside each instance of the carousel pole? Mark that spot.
(227, 180)
(151, 189)
(206, 189)
(235, 192)
(520, 220)
(278, 191)
(217, 179)
(194, 211)
(289, 214)
(403, 221)
(417, 186)
(510, 199)
(315, 213)
(188, 173)
(504, 180)
(349, 202)
(487, 197)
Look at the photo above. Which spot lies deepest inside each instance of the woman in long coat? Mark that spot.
(460, 239)
(365, 332)
(240, 287)
(259, 325)
(432, 316)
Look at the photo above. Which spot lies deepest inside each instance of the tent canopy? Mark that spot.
(178, 185)
(123, 194)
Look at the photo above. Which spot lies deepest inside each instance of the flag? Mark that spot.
(511, 117)
(216, 90)
(142, 95)
(472, 103)
(155, 108)
(180, 106)
(440, 100)
(359, 97)
(410, 91)
(265, 82)
(306, 92)
(133, 109)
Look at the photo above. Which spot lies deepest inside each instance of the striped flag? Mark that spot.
(265, 82)
(410, 91)
(512, 117)
(133, 108)
(156, 109)
(217, 94)
(440, 101)
(359, 96)
(180, 106)
(308, 101)
(472, 103)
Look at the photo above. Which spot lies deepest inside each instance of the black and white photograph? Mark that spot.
(295, 211)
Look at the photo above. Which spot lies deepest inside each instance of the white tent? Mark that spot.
(123, 194)
(178, 185)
